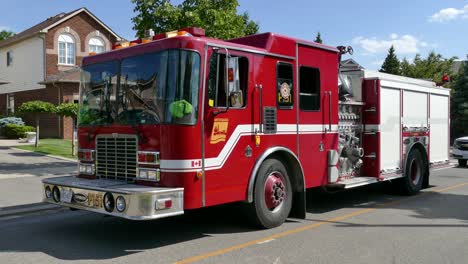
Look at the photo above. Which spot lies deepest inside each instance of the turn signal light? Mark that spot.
(146, 157)
(86, 154)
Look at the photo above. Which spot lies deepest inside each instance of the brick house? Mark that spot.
(42, 63)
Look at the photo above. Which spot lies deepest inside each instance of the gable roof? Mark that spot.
(51, 22)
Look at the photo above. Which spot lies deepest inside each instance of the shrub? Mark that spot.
(13, 131)
(11, 120)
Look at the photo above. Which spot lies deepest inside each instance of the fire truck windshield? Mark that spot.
(152, 88)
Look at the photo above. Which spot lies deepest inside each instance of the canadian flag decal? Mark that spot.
(196, 163)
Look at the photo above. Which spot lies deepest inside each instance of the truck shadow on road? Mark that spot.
(87, 236)
(84, 236)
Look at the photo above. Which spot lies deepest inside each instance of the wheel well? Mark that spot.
(423, 152)
(294, 169)
(295, 173)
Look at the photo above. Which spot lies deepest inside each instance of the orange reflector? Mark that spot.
(231, 74)
(199, 175)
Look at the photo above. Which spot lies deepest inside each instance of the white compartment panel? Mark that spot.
(439, 145)
(414, 109)
(390, 134)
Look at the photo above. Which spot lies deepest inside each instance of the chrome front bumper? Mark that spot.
(459, 154)
(142, 202)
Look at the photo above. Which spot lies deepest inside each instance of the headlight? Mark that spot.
(48, 192)
(85, 168)
(149, 174)
(56, 194)
(120, 204)
(109, 202)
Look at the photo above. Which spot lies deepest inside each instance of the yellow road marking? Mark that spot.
(308, 227)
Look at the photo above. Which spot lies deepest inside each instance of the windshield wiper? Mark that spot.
(126, 113)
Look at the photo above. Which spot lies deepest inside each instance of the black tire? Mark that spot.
(462, 163)
(412, 182)
(261, 215)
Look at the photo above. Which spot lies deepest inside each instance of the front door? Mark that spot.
(228, 126)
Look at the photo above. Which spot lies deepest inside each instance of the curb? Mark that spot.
(27, 208)
(47, 155)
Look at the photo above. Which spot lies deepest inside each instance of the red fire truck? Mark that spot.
(179, 121)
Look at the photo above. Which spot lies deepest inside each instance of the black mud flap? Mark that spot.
(298, 209)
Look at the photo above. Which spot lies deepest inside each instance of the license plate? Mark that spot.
(66, 196)
(95, 200)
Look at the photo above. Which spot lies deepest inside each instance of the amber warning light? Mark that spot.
(187, 32)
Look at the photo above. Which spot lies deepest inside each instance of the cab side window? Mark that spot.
(234, 93)
(309, 83)
(284, 86)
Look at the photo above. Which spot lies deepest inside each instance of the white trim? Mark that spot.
(90, 14)
(190, 165)
(414, 87)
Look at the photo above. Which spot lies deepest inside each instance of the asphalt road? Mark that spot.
(366, 225)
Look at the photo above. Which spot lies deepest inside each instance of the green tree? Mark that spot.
(391, 64)
(318, 38)
(69, 110)
(459, 103)
(36, 108)
(219, 18)
(431, 68)
(4, 34)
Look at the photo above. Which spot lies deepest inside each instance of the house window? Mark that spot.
(96, 45)
(66, 45)
(10, 104)
(309, 97)
(9, 58)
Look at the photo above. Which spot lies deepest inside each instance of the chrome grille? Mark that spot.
(116, 157)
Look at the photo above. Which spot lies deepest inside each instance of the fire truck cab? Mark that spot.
(180, 121)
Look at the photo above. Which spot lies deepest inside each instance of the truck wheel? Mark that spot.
(414, 173)
(272, 198)
(462, 162)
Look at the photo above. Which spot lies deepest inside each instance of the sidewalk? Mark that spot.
(21, 173)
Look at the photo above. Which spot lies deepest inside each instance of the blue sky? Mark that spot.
(416, 26)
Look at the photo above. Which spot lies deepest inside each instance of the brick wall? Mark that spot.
(82, 27)
(68, 92)
(49, 123)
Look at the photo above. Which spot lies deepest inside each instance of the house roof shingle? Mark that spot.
(44, 25)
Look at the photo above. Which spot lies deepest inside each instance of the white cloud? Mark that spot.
(4, 28)
(448, 14)
(405, 44)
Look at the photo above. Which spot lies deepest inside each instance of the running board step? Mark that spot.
(354, 182)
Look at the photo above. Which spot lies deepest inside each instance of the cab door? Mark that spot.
(228, 139)
(318, 116)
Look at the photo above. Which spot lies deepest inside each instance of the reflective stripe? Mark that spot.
(189, 165)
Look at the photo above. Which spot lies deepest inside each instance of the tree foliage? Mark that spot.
(67, 109)
(36, 107)
(459, 103)
(318, 38)
(431, 68)
(4, 34)
(219, 18)
(391, 64)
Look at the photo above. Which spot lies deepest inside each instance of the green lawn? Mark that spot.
(51, 146)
